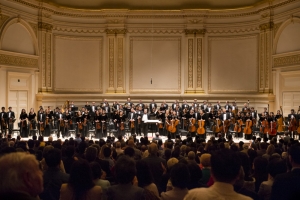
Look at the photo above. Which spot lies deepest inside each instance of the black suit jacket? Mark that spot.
(286, 186)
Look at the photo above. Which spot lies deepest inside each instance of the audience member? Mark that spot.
(99, 178)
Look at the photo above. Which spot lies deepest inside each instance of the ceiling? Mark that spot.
(154, 4)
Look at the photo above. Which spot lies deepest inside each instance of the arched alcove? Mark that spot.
(288, 40)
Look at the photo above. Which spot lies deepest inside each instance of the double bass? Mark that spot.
(280, 124)
(264, 128)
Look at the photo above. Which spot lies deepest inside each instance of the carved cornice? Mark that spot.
(131, 14)
(157, 31)
(77, 30)
(225, 31)
(18, 61)
(287, 60)
(116, 31)
(195, 31)
(266, 26)
(45, 26)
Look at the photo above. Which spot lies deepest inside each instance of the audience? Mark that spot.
(20, 177)
(81, 185)
(138, 169)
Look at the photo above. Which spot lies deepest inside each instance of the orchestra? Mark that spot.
(201, 119)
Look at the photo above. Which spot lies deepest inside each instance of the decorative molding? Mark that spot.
(266, 26)
(261, 61)
(157, 31)
(225, 31)
(77, 30)
(267, 58)
(3, 18)
(100, 14)
(34, 27)
(43, 70)
(18, 61)
(163, 90)
(199, 62)
(194, 21)
(111, 64)
(276, 27)
(286, 60)
(45, 26)
(116, 31)
(190, 62)
(195, 31)
(48, 61)
(120, 64)
(115, 21)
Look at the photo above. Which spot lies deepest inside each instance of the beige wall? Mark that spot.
(83, 56)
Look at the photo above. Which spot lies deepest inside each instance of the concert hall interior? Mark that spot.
(58, 51)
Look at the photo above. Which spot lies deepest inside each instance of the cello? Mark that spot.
(280, 124)
(248, 127)
(192, 127)
(238, 126)
(201, 129)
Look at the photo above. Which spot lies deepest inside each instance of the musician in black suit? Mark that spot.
(204, 105)
(23, 123)
(132, 116)
(227, 106)
(41, 117)
(139, 114)
(225, 118)
(3, 118)
(10, 120)
(175, 104)
(287, 185)
(217, 106)
(128, 105)
(87, 106)
(116, 105)
(152, 105)
(165, 105)
(141, 104)
(245, 108)
(185, 105)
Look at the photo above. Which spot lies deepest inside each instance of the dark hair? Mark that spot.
(129, 151)
(96, 170)
(69, 151)
(125, 169)
(91, 154)
(294, 152)
(195, 175)
(276, 166)
(81, 179)
(180, 175)
(143, 174)
(53, 157)
(106, 152)
(225, 165)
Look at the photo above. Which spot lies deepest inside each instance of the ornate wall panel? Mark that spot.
(199, 63)
(20, 60)
(233, 64)
(155, 65)
(190, 62)
(77, 64)
(111, 64)
(120, 63)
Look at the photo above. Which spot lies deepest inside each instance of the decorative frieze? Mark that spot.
(116, 31)
(18, 61)
(120, 63)
(111, 63)
(190, 63)
(266, 26)
(287, 60)
(199, 62)
(195, 31)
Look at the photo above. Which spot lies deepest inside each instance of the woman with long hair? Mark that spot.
(81, 185)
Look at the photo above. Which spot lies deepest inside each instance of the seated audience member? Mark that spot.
(20, 177)
(81, 185)
(180, 177)
(205, 164)
(98, 178)
(126, 188)
(275, 166)
(225, 168)
(53, 177)
(144, 176)
(287, 185)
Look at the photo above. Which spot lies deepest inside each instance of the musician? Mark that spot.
(165, 105)
(105, 106)
(128, 105)
(246, 119)
(120, 121)
(203, 116)
(217, 106)
(132, 121)
(185, 105)
(103, 120)
(31, 122)
(79, 121)
(10, 120)
(140, 104)
(48, 121)
(72, 105)
(209, 108)
(192, 122)
(218, 122)
(227, 106)
(161, 117)
(162, 108)
(173, 120)
(139, 114)
(239, 121)
(87, 106)
(245, 108)
(73, 119)
(67, 122)
(23, 123)
(175, 104)
(184, 121)
(61, 127)
(234, 108)
(292, 118)
(266, 111)
(104, 103)
(3, 117)
(264, 124)
(196, 105)
(272, 123)
(97, 120)
(152, 105)
(56, 114)
(41, 117)
(145, 117)
(92, 111)
(204, 105)
(86, 122)
(116, 105)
